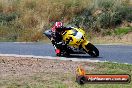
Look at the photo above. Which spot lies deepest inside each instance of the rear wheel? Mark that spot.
(93, 51)
(66, 54)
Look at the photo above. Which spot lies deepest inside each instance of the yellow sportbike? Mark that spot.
(75, 42)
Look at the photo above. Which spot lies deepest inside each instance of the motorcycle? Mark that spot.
(75, 42)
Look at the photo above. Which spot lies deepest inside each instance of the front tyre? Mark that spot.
(92, 50)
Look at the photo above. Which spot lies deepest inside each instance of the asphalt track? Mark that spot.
(112, 53)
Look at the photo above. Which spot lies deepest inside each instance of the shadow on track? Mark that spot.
(82, 57)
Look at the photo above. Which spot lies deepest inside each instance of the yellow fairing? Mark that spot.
(76, 36)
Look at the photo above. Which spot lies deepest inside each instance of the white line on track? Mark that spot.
(94, 44)
(50, 57)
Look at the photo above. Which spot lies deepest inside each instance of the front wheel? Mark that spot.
(92, 50)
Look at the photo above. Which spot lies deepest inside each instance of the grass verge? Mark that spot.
(43, 73)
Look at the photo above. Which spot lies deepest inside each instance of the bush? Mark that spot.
(104, 20)
(122, 31)
(105, 5)
(116, 19)
(6, 18)
(129, 14)
(18, 17)
(103, 15)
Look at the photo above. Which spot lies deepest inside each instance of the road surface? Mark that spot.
(112, 53)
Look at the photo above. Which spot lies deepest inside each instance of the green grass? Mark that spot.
(122, 31)
(67, 80)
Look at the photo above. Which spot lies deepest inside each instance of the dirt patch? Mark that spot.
(14, 66)
(34, 72)
(43, 73)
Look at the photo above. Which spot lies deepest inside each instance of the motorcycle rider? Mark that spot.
(56, 39)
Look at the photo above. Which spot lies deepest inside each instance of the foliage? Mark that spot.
(104, 14)
(20, 20)
(122, 31)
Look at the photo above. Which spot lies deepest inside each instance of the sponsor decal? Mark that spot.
(82, 77)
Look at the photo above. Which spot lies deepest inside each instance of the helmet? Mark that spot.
(58, 24)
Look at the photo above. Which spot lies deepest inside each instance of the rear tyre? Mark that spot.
(66, 54)
(65, 50)
(93, 51)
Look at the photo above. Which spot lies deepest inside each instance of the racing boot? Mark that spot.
(58, 48)
(58, 53)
